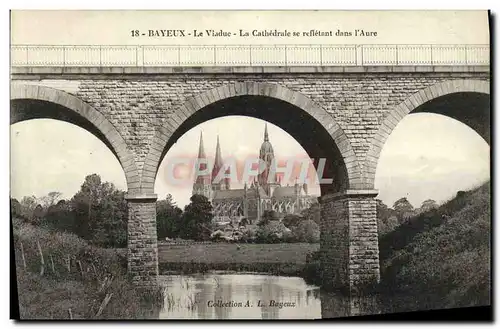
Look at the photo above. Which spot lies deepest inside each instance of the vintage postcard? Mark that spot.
(249, 164)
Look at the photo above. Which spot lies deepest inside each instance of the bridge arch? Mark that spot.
(313, 127)
(29, 101)
(465, 100)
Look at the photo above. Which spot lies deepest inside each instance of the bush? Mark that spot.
(273, 232)
(307, 231)
(248, 235)
(440, 258)
(49, 296)
(312, 270)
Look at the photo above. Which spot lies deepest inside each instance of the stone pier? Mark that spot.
(349, 241)
(142, 240)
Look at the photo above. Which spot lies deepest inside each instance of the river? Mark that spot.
(239, 296)
(253, 296)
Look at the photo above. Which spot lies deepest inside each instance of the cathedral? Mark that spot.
(250, 202)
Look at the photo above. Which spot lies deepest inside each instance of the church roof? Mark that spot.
(229, 194)
(252, 192)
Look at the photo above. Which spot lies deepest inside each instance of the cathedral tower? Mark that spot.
(202, 183)
(266, 180)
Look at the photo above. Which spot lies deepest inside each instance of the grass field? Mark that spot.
(287, 259)
(229, 253)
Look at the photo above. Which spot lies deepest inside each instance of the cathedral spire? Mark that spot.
(201, 149)
(202, 182)
(202, 179)
(218, 166)
(218, 155)
(266, 135)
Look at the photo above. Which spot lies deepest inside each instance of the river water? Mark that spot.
(239, 296)
(223, 295)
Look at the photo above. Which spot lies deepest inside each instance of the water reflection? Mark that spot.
(254, 296)
(239, 296)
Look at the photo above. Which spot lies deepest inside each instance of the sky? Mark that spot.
(426, 156)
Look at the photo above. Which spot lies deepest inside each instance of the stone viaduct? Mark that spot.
(344, 114)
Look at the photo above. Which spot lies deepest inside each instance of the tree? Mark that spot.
(100, 212)
(428, 205)
(384, 214)
(60, 217)
(50, 199)
(313, 213)
(307, 231)
(268, 216)
(272, 232)
(15, 208)
(196, 220)
(38, 214)
(292, 220)
(110, 229)
(168, 218)
(28, 204)
(403, 209)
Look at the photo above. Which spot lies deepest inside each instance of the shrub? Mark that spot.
(307, 231)
(49, 296)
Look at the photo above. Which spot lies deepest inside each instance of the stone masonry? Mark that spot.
(349, 240)
(137, 115)
(142, 240)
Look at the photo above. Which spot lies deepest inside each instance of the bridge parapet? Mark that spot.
(248, 55)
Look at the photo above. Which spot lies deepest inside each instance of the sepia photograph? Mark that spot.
(250, 165)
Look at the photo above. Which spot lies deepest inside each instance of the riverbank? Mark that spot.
(286, 259)
(60, 276)
(441, 258)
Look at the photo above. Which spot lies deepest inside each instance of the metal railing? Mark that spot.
(245, 55)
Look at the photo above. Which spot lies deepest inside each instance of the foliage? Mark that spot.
(307, 231)
(249, 235)
(217, 236)
(196, 222)
(28, 204)
(267, 217)
(273, 232)
(97, 212)
(60, 217)
(15, 208)
(38, 214)
(386, 218)
(51, 295)
(428, 205)
(50, 199)
(312, 270)
(243, 222)
(291, 220)
(168, 218)
(440, 258)
(101, 213)
(313, 213)
(403, 209)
